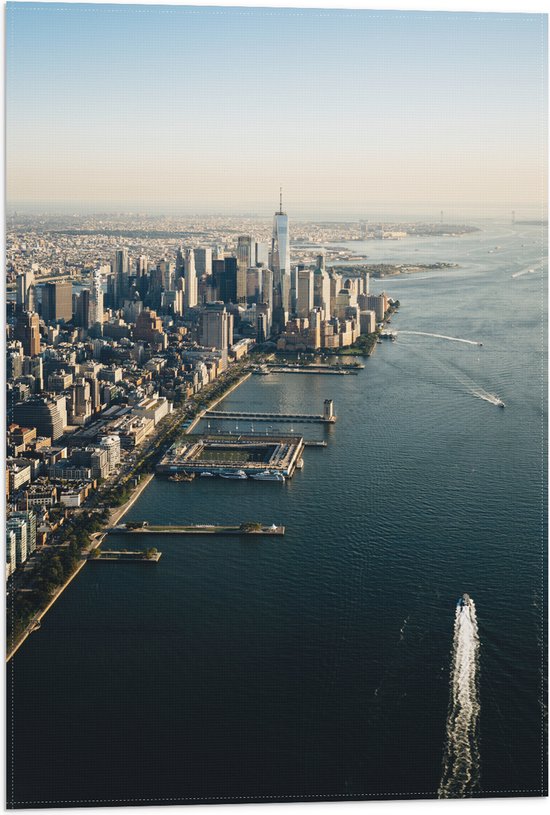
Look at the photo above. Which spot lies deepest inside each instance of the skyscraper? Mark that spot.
(280, 264)
(217, 327)
(167, 272)
(245, 259)
(305, 292)
(191, 287)
(142, 266)
(42, 413)
(96, 299)
(82, 309)
(27, 331)
(57, 302)
(25, 291)
(321, 289)
(121, 271)
(203, 261)
(227, 280)
(261, 254)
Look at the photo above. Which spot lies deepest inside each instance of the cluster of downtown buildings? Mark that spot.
(92, 370)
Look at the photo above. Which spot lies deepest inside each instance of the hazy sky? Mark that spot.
(356, 113)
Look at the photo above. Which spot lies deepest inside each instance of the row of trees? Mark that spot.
(55, 564)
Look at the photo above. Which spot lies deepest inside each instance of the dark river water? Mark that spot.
(318, 665)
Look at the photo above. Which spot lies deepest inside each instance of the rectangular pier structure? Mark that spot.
(327, 417)
(200, 529)
(123, 556)
(247, 455)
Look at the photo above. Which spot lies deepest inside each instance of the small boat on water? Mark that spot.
(463, 602)
(236, 474)
(206, 474)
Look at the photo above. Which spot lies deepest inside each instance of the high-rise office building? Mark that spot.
(81, 399)
(142, 266)
(254, 281)
(191, 283)
(121, 271)
(57, 302)
(227, 280)
(167, 274)
(217, 327)
(19, 528)
(11, 548)
(261, 254)
(321, 292)
(96, 299)
(27, 331)
(280, 264)
(25, 292)
(29, 519)
(203, 261)
(43, 414)
(180, 262)
(245, 259)
(304, 297)
(82, 309)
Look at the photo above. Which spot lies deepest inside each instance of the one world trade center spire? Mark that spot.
(280, 264)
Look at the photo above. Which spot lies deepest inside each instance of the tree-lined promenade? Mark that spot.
(34, 589)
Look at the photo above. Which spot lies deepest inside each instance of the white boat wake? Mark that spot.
(460, 774)
(440, 337)
(472, 387)
(524, 272)
(492, 398)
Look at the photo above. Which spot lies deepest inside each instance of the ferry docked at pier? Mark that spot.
(268, 475)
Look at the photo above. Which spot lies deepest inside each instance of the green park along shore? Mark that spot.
(57, 565)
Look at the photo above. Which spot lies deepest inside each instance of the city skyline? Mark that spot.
(219, 107)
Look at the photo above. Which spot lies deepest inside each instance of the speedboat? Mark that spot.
(500, 404)
(464, 601)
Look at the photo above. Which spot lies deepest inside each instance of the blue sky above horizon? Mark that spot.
(204, 109)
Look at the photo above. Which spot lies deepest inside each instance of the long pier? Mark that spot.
(122, 556)
(283, 369)
(270, 417)
(318, 367)
(200, 529)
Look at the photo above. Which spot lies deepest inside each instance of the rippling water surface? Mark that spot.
(318, 664)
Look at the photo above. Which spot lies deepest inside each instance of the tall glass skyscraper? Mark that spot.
(280, 263)
(191, 282)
